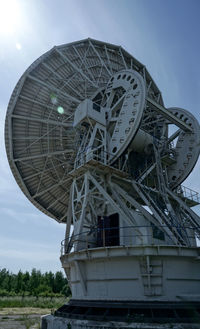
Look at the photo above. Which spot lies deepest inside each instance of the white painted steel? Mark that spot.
(124, 115)
(41, 143)
(87, 110)
(134, 273)
(187, 148)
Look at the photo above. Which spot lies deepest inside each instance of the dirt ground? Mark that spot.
(21, 318)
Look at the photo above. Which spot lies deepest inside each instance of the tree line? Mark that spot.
(33, 284)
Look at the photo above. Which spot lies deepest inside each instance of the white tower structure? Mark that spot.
(92, 145)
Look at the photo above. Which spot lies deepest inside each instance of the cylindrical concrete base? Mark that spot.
(53, 322)
(134, 273)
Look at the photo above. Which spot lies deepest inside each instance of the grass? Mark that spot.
(26, 311)
(28, 322)
(25, 320)
(9, 311)
(31, 301)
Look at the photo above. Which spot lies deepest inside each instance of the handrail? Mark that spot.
(125, 235)
(99, 155)
(186, 192)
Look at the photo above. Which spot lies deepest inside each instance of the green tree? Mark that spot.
(34, 283)
(3, 275)
(49, 279)
(35, 280)
(19, 284)
(58, 282)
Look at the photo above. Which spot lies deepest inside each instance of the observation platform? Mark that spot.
(94, 164)
(94, 160)
(189, 196)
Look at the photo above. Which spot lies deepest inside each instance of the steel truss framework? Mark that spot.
(67, 173)
(93, 193)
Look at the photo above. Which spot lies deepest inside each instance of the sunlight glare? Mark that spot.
(10, 17)
(18, 46)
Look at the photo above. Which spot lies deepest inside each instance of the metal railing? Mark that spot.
(131, 236)
(187, 193)
(99, 155)
(85, 156)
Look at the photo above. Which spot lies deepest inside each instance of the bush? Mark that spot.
(32, 301)
(3, 292)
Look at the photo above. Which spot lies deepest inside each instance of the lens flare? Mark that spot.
(60, 109)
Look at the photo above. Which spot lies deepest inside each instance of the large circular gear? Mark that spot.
(126, 93)
(187, 148)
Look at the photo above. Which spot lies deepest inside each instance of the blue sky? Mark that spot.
(163, 35)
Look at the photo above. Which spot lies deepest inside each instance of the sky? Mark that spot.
(163, 35)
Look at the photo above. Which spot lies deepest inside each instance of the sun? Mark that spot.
(10, 17)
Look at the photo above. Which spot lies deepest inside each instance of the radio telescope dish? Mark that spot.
(41, 142)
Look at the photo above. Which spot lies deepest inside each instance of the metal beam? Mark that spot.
(83, 61)
(34, 101)
(108, 58)
(28, 146)
(69, 216)
(137, 205)
(154, 211)
(41, 175)
(59, 199)
(46, 121)
(110, 200)
(99, 57)
(122, 56)
(66, 82)
(24, 138)
(168, 115)
(75, 67)
(39, 170)
(50, 188)
(52, 88)
(194, 218)
(43, 155)
(173, 136)
(126, 210)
